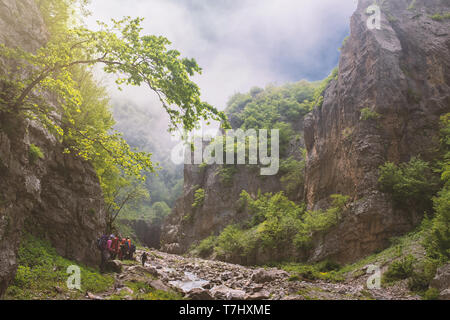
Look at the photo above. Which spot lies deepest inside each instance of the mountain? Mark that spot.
(382, 106)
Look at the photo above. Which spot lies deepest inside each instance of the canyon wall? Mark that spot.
(58, 197)
(400, 73)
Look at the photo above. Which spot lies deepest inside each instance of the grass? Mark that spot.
(35, 153)
(408, 245)
(42, 273)
(400, 269)
(325, 270)
(142, 291)
(441, 17)
(368, 114)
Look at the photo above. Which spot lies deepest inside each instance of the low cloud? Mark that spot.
(241, 43)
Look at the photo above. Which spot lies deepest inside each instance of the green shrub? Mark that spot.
(412, 181)
(276, 223)
(326, 270)
(35, 153)
(400, 269)
(199, 198)
(234, 241)
(431, 294)
(418, 282)
(293, 176)
(441, 17)
(438, 240)
(206, 247)
(227, 173)
(368, 114)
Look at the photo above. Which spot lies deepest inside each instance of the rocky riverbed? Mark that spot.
(198, 279)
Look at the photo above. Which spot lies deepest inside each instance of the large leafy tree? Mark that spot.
(123, 51)
(55, 86)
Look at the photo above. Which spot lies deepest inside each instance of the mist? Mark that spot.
(239, 44)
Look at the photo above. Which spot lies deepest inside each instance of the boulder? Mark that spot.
(199, 294)
(263, 276)
(158, 285)
(93, 297)
(445, 294)
(442, 279)
(442, 282)
(261, 295)
(128, 290)
(114, 266)
(223, 292)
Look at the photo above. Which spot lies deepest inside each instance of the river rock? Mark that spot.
(263, 276)
(114, 266)
(199, 294)
(442, 282)
(261, 295)
(223, 292)
(158, 285)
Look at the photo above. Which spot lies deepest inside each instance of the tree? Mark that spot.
(123, 51)
(128, 193)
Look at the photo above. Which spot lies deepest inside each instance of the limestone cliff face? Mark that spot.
(187, 225)
(220, 208)
(402, 73)
(57, 198)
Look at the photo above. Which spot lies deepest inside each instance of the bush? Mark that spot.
(35, 153)
(368, 114)
(400, 269)
(439, 17)
(199, 198)
(227, 173)
(412, 181)
(419, 282)
(325, 270)
(438, 240)
(431, 294)
(206, 247)
(276, 223)
(293, 176)
(234, 241)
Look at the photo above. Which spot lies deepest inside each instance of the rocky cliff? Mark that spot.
(400, 75)
(56, 197)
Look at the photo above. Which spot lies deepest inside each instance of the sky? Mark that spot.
(240, 43)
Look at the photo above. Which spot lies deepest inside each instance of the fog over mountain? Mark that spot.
(240, 44)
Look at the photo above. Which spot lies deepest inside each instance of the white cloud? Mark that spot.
(241, 43)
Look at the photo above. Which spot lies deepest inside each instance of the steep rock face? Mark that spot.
(402, 73)
(220, 207)
(57, 198)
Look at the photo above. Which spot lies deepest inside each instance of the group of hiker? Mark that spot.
(115, 247)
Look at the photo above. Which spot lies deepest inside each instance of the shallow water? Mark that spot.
(189, 282)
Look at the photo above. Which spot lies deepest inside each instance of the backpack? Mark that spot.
(102, 242)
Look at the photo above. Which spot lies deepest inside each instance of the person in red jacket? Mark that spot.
(115, 247)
